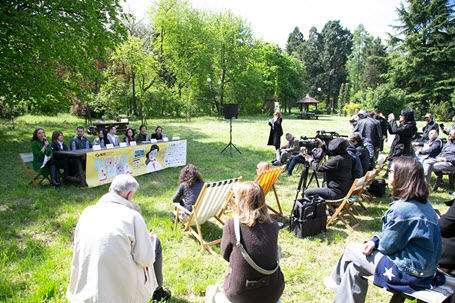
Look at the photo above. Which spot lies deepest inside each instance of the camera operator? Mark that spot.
(318, 154)
(337, 171)
(285, 152)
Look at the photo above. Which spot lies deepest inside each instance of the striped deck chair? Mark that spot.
(343, 206)
(211, 203)
(266, 180)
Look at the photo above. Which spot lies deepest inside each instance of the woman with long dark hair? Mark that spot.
(190, 185)
(402, 145)
(101, 140)
(129, 136)
(40, 149)
(404, 256)
(258, 235)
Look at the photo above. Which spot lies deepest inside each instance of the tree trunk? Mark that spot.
(133, 79)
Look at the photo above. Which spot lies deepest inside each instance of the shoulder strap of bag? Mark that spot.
(247, 256)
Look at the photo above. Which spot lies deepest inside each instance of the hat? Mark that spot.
(428, 116)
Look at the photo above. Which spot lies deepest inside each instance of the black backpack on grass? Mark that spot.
(308, 217)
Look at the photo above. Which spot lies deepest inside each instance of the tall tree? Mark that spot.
(312, 58)
(361, 41)
(294, 45)
(425, 66)
(49, 47)
(375, 65)
(337, 46)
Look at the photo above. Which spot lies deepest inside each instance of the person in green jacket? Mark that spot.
(41, 148)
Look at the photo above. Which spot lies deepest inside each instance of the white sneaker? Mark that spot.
(330, 284)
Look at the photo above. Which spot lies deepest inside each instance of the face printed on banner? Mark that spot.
(152, 155)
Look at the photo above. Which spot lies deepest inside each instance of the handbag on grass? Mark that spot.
(247, 256)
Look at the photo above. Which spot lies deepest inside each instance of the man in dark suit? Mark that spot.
(383, 122)
(370, 128)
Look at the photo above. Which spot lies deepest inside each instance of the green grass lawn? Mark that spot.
(36, 226)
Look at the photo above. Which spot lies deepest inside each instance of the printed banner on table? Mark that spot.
(103, 165)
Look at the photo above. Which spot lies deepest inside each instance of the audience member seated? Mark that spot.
(445, 161)
(430, 125)
(357, 169)
(318, 154)
(116, 258)
(285, 152)
(337, 171)
(158, 135)
(40, 149)
(112, 138)
(190, 185)
(404, 257)
(79, 141)
(447, 224)
(401, 145)
(129, 136)
(361, 151)
(101, 139)
(244, 283)
(142, 136)
(262, 167)
(431, 148)
(445, 130)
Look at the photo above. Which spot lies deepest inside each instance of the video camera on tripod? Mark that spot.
(326, 136)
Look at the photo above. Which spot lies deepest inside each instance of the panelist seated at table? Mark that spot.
(42, 149)
(129, 136)
(190, 185)
(80, 141)
(58, 145)
(158, 134)
(142, 136)
(112, 137)
(101, 139)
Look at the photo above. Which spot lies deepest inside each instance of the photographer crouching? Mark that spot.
(337, 171)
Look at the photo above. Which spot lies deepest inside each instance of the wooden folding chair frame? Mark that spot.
(193, 214)
(33, 175)
(365, 195)
(343, 206)
(266, 180)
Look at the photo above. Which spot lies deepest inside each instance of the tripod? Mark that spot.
(230, 144)
(303, 179)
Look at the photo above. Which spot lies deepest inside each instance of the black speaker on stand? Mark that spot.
(231, 111)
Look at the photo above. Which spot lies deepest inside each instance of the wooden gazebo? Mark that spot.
(307, 100)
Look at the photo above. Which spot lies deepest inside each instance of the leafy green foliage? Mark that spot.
(49, 49)
(295, 43)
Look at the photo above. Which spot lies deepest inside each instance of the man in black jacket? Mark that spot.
(370, 128)
(337, 171)
(383, 122)
(447, 224)
(445, 161)
(361, 151)
(431, 148)
(428, 127)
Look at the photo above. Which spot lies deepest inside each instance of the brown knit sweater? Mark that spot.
(260, 241)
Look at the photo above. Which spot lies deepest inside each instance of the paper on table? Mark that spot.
(46, 159)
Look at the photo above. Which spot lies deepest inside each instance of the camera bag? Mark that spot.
(308, 217)
(377, 188)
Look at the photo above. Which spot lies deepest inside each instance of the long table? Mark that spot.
(101, 166)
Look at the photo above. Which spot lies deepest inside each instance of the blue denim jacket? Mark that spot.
(411, 237)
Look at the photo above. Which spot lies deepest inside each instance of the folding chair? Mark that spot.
(211, 203)
(343, 206)
(372, 174)
(33, 175)
(266, 180)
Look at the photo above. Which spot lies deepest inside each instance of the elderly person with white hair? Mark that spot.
(116, 258)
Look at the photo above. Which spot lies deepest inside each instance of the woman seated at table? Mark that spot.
(129, 136)
(101, 139)
(142, 136)
(40, 149)
(259, 236)
(158, 134)
(190, 185)
(404, 257)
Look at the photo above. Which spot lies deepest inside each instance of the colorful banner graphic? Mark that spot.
(103, 165)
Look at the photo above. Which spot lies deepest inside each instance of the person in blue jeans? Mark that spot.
(318, 154)
(404, 256)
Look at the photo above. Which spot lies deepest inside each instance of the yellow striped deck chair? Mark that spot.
(211, 203)
(266, 180)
